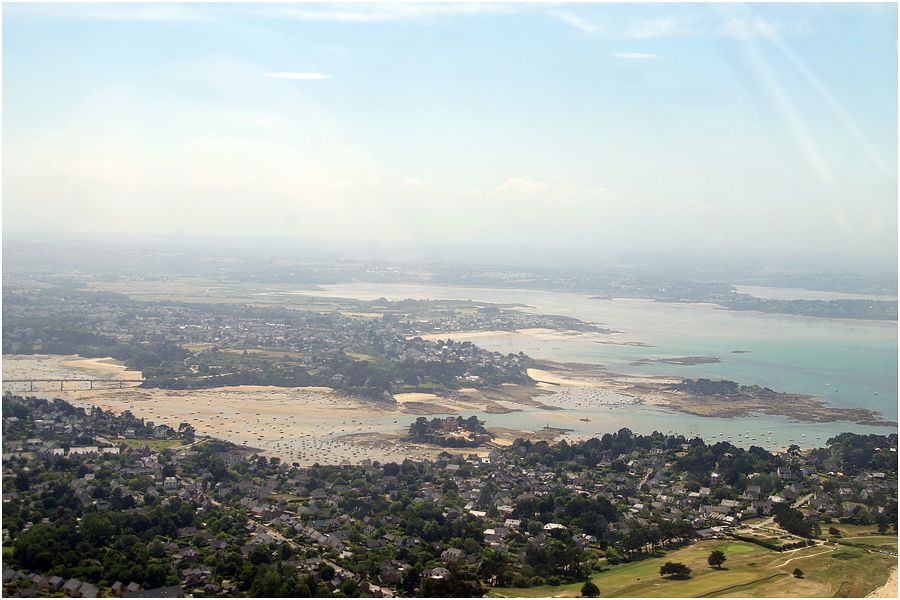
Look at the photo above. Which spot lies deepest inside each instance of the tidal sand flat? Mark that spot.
(708, 398)
(683, 360)
(303, 425)
(70, 366)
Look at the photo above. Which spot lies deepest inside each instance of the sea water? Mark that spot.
(847, 363)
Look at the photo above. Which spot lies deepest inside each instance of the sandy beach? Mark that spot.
(104, 367)
(889, 589)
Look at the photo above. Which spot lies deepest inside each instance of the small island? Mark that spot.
(450, 432)
(682, 360)
(723, 398)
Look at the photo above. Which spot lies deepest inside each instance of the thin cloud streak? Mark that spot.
(112, 12)
(296, 75)
(337, 13)
(636, 55)
(577, 21)
(656, 28)
(386, 13)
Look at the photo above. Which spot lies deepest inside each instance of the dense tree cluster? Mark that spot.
(730, 462)
(105, 546)
(793, 521)
(852, 453)
(447, 432)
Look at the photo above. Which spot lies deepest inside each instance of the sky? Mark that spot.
(700, 128)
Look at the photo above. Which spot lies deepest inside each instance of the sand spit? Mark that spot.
(104, 367)
(55, 366)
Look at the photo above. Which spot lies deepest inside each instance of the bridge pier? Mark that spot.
(62, 382)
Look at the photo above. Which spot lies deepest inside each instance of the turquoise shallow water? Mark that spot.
(848, 363)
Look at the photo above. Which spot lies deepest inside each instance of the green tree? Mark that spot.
(349, 587)
(798, 573)
(326, 572)
(97, 529)
(589, 590)
(675, 570)
(716, 559)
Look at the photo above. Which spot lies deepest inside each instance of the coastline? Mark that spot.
(539, 332)
(307, 425)
(664, 391)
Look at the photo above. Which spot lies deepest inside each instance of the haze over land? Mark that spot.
(573, 130)
(449, 300)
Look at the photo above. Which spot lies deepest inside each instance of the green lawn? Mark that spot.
(642, 578)
(287, 498)
(750, 571)
(882, 542)
(850, 530)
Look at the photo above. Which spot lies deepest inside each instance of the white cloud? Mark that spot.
(338, 13)
(654, 28)
(412, 184)
(112, 12)
(636, 55)
(517, 186)
(384, 13)
(296, 75)
(577, 21)
(746, 28)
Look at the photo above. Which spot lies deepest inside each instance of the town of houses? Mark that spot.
(373, 529)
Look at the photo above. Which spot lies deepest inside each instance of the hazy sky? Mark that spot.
(699, 128)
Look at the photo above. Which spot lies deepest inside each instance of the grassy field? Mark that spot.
(770, 534)
(881, 542)
(851, 530)
(154, 444)
(750, 571)
(287, 498)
